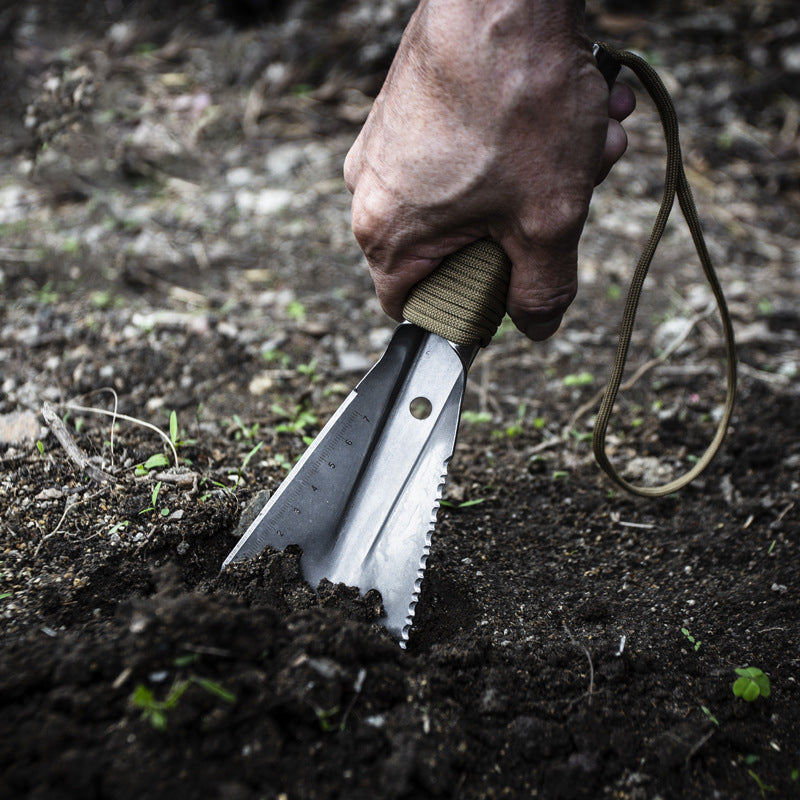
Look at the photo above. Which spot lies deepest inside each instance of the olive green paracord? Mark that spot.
(675, 184)
(463, 300)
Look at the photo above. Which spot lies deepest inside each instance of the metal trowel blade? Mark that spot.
(362, 500)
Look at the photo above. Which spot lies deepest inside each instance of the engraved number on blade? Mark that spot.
(320, 484)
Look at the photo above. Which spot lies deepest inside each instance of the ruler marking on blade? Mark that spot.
(287, 517)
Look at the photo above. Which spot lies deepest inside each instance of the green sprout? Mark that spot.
(155, 711)
(154, 501)
(296, 310)
(516, 428)
(465, 504)
(173, 427)
(243, 432)
(309, 370)
(119, 526)
(240, 471)
(296, 420)
(751, 684)
(692, 641)
(157, 461)
(708, 713)
(476, 417)
(174, 433)
(578, 379)
(325, 717)
(762, 787)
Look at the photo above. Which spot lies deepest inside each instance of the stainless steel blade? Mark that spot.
(362, 500)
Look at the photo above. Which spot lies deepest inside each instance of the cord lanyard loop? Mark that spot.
(675, 184)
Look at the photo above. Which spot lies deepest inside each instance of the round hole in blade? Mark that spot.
(420, 408)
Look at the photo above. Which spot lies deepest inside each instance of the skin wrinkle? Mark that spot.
(492, 121)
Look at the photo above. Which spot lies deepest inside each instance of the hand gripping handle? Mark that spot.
(464, 298)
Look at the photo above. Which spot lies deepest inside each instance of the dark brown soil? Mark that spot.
(174, 227)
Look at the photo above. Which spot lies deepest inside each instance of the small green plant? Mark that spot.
(156, 461)
(271, 355)
(101, 299)
(155, 711)
(765, 307)
(751, 684)
(282, 461)
(296, 311)
(40, 446)
(296, 420)
(578, 379)
(691, 639)
(6, 595)
(243, 466)
(762, 787)
(476, 417)
(71, 245)
(309, 370)
(173, 427)
(173, 439)
(325, 717)
(119, 526)
(46, 295)
(464, 504)
(560, 475)
(516, 428)
(242, 431)
(154, 502)
(708, 713)
(174, 432)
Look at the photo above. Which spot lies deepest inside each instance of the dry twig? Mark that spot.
(76, 455)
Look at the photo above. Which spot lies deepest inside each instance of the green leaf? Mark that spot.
(751, 684)
(578, 379)
(476, 502)
(173, 427)
(476, 417)
(185, 661)
(142, 697)
(216, 689)
(158, 460)
(250, 455)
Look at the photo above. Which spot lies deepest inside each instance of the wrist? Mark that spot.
(496, 37)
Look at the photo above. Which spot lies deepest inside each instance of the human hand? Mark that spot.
(492, 122)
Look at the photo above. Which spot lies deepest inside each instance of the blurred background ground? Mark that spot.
(174, 226)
